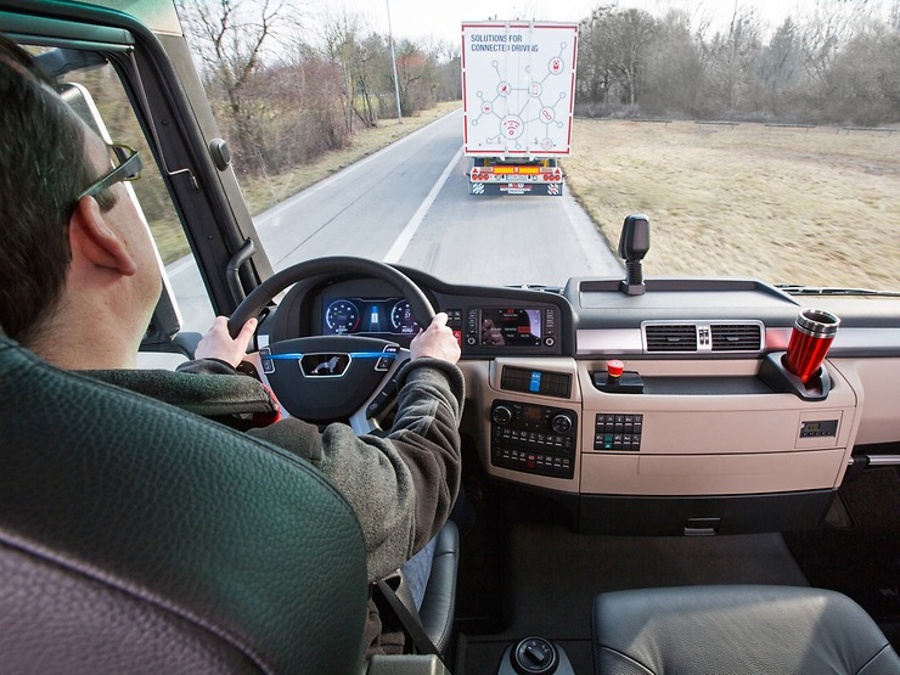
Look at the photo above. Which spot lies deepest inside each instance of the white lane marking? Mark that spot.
(181, 265)
(399, 247)
(264, 218)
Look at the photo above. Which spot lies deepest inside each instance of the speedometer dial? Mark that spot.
(402, 318)
(342, 316)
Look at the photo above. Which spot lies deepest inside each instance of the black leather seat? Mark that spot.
(138, 538)
(737, 629)
(438, 604)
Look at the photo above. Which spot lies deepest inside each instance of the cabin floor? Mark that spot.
(524, 572)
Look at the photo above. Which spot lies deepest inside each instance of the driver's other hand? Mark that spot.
(436, 341)
(218, 343)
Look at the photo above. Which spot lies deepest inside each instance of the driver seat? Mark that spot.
(135, 537)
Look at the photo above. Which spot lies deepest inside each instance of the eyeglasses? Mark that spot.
(129, 168)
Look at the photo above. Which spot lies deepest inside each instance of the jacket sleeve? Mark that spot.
(402, 485)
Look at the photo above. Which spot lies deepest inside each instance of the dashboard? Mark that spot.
(703, 429)
(485, 321)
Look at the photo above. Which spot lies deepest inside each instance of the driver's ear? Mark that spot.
(94, 242)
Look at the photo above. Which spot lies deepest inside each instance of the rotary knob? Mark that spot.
(535, 656)
(561, 423)
(501, 415)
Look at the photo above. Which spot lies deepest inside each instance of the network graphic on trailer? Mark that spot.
(521, 84)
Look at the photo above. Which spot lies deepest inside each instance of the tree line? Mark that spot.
(838, 63)
(283, 96)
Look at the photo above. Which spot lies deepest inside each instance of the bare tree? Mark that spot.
(829, 26)
(372, 66)
(415, 75)
(229, 36)
(341, 37)
(674, 76)
(730, 59)
(614, 48)
(632, 32)
(594, 67)
(864, 85)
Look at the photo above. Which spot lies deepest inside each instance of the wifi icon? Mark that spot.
(512, 127)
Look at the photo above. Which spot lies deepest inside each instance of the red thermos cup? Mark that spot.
(811, 337)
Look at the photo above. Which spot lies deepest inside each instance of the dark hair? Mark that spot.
(43, 169)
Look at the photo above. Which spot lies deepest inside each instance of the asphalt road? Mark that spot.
(409, 204)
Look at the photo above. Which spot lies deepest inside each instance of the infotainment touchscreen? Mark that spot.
(521, 327)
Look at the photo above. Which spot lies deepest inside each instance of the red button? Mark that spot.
(458, 335)
(615, 368)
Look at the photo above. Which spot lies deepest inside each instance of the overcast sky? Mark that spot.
(434, 20)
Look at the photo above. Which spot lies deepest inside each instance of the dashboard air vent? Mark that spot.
(736, 337)
(671, 337)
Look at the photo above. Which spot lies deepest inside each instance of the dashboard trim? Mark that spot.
(629, 341)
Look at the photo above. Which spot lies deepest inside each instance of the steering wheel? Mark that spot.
(331, 377)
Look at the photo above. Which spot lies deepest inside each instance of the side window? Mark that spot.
(118, 124)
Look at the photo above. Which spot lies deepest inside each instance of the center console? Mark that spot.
(701, 447)
(536, 439)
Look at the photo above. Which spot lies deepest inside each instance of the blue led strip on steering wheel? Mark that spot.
(352, 355)
(267, 358)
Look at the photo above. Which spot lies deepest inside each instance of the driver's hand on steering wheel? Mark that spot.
(218, 344)
(436, 341)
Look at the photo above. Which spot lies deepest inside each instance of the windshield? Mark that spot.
(761, 139)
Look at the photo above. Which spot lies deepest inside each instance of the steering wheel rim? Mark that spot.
(252, 306)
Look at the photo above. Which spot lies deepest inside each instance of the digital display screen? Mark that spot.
(532, 413)
(367, 316)
(511, 326)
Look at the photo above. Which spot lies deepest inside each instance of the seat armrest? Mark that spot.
(406, 664)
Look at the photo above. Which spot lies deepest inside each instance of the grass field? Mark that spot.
(815, 206)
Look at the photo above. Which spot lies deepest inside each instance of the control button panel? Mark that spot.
(814, 429)
(536, 382)
(533, 438)
(455, 323)
(618, 431)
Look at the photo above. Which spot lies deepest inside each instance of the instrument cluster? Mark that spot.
(368, 316)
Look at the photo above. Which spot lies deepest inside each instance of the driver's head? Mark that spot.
(48, 157)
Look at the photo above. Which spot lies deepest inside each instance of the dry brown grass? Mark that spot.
(816, 206)
(263, 193)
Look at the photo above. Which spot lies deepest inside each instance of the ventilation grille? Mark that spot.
(671, 338)
(736, 337)
(702, 337)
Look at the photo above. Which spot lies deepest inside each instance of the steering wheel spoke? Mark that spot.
(370, 417)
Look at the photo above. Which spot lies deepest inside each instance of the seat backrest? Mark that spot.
(135, 537)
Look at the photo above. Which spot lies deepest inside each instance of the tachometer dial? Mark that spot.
(342, 316)
(402, 317)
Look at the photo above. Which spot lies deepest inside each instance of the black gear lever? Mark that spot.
(634, 242)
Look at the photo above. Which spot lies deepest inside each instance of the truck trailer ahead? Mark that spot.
(518, 86)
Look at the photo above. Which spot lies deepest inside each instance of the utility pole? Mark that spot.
(394, 63)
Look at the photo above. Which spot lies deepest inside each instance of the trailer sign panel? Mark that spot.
(518, 88)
